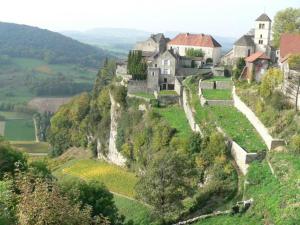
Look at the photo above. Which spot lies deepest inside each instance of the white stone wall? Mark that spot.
(241, 157)
(258, 125)
(114, 155)
(262, 34)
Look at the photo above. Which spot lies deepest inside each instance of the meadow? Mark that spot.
(19, 130)
(217, 94)
(115, 178)
(31, 146)
(175, 116)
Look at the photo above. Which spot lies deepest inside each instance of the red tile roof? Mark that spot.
(255, 56)
(200, 40)
(289, 44)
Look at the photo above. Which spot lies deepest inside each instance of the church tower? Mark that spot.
(262, 36)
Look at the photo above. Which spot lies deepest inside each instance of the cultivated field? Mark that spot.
(116, 179)
(47, 104)
(19, 130)
(31, 146)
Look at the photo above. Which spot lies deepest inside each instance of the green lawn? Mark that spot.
(133, 210)
(145, 95)
(215, 78)
(217, 94)
(167, 92)
(9, 115)
(175, 116)
(31, 147)
(115, 178)
(233, 122)
(19, 130)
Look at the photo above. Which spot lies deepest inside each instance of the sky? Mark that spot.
(229, 18)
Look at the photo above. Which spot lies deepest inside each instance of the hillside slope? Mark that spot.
(32, 42)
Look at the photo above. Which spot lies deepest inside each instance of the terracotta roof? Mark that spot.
(289, 44)
(255, 56)
(264, 17)
(200, 40)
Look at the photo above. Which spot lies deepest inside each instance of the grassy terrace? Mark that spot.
(217, 94)
(281, 207)
(175, 116)
(31, 146)
(167, 92)
(233, 122)
(219, 79)
(116, 179)
(145, 95)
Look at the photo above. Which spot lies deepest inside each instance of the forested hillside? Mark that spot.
(32, 42)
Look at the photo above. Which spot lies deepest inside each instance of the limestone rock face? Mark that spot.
(114, 155)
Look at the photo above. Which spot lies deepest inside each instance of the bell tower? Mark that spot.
(262, 36)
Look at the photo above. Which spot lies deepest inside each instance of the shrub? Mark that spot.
(209, 61)
(278, 101)
(295, 144)
(271, 80)
(190, 52)
(239, 66)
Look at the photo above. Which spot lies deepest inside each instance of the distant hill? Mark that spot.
(121, 40)
(32, 42)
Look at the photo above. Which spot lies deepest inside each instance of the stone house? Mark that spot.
(256, 66)
(289, 45)
(257, 40)
(182, 42)
(156, 43)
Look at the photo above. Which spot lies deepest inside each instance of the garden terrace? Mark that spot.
(175, 117)
(167, 92)
(232, 122)
(145, 95)
(219, 78)
(217, 94)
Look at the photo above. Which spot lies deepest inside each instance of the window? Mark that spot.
(165, 80)
(153, 74)
(249, 52)
(261, 26)
(155, 65)
(260, 42)
(261, 36)
(165, 62)
(166, 71)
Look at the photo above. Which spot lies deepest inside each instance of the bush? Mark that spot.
(237, 71)
(295, 144)
(278, 101)
(271, 80)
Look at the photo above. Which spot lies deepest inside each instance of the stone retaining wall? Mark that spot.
(135, 86)
(167, 99)
(189, 113)
(258, 125)
(139, 97)
(206, 84)
(224, 84)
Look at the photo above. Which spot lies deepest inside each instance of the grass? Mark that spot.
(216, 78)
(19, 130)
(9, 115)
(2, 128)
(217, 94)
(133, 210)
(233, 122)
(175, 116)
(167, 92)
(238, 127)
(145, 95)
(115, 178)
(31, 147)
(276, 199)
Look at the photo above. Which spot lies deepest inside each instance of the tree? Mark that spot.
(167, 181)
(137, 66)
(286, 21)
(41, 202)
(10, 160)
(96, 195)
(238, 69)
(270, 81)
(191, 52)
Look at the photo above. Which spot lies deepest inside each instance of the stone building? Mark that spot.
(211, 48)
(257, 40)
(289, 45)
(156, 43)
(256, 66)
